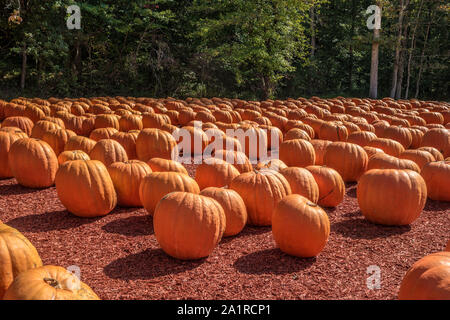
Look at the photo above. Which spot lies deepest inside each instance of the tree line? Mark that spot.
(255, 49)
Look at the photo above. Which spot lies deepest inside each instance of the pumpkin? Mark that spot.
(188, 226)
(320, 146)
(108, 151)
(128, 142)
(391, 196)
(274, 164)
(215, 172)
(127, 178)
(106, 121)
(437, 177)
(6, 140)
(72, 155)
(297, 153)
(102, 133)
(155, 143)
(49, 283)
(17, 255)
(361, 138)
(427, 279)
(42, 127)
(299, 227)
(57, 139)
(402, 135)
(85, 188)
(23, 123)
(156, 185)
(439, 139)
(164, 165)
(302, 182)
(233, 206)
(435, 152)
(296, 133)
(349, 159)
(420, 157)
(261, 191)
(333, 132)
(191, 140)
(79, 143)
(153, 120)
(33, 163)
(384, 161)
(130, 122)
(331, 185)
(390, 147)
(236, 158)
(417, 136)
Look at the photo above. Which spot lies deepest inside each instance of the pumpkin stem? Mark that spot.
(53, 283)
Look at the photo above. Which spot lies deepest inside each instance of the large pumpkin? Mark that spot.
(384, 161)
(57, 139)
(41, 127)
(437, 179)
(297, 153)
(33, 163)
(261, 191)
(349, 159)
(390, 147)
(49, 283)
(127, 178)
(156, 185)
(85, 188)
(333, 132)
(236, 158)
(320, 147)
(108, 151)
(420, 157)
(427, 279)
(79, 143)
(233, 206)
(188, 226)
(17, 255)
(165, 165)
(128, 142)
(302, 182)
(155, 143)
(391, 196)
(299, 227)
(331, 185)
(439, 139)
(399, 134)
(215, 172)
(361, 138)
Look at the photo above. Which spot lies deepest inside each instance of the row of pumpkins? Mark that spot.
(102, 152)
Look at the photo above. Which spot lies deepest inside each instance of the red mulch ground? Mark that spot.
(120, 258)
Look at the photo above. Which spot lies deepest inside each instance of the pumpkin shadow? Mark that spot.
(271, 261)
(360, 228)
(16, 189)
(248, 231)
(432, 205)
(352, 192)
(148, 264)
(132, 226)
(48, 221)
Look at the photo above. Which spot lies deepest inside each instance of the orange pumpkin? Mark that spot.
(79, 143)
(102, 133)
(236, 158)
(128, 142)
(106, 121)
(427, 279)
(437, 177)
(371, 151)
(6, 140)
(435, 152)
(299, 227)
(420, 157)
(57, 139)
(127, 178)
(156, 185)
(302, 182)
(215, 172)
(49, 283)
(188, 226)
(320, 147)
(72, 155)
(331, 185)
(261, 191)
(164, 165)
(17, 255)
(42, 127)
(130, 122)
(333, 132)
(391, 196)
(390, 147)
(155, 143)
(439, 139)
(23, 123)
(349, 159)
(33, 163)
(399, 134)
(361, 138)
(384, 161)
(90, 182)
(233, 206)
(297, 153)
(108, 151)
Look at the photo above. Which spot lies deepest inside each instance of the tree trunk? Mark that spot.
(403, 5)
(398, 93)
(313, 31)
(373, 94)
(422, 57)
(24, 67)
(411, 50)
